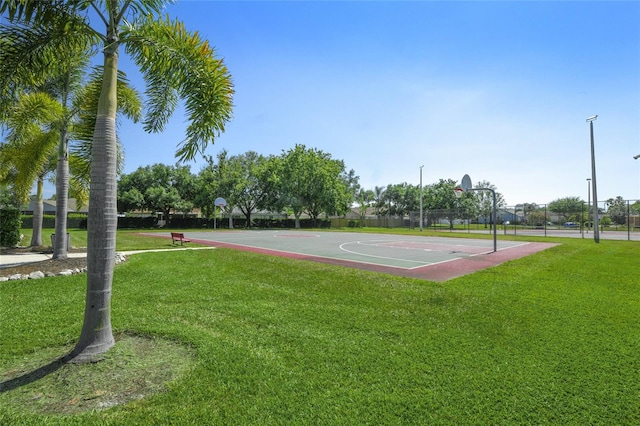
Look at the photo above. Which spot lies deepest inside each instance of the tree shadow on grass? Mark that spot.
(34, 375)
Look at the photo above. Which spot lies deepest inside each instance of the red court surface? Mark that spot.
(429, 258)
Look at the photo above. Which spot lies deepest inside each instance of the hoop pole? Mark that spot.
(494, 215)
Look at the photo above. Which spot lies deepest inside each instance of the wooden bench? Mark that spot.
(178, 236)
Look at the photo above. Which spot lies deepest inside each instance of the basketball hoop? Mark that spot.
(458, 191)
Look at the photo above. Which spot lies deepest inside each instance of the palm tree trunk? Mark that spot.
(96, 336)
(62, 194)
(38, 208)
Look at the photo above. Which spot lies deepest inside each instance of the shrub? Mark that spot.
(9, 227)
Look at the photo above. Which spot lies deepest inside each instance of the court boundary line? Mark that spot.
(421, 264)
(309, 256)
(438, 272)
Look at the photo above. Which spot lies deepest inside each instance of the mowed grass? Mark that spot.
(553, 338)
(126, 239)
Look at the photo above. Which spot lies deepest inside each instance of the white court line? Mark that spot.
(320, 256)
(373, 243)
(420, 264)
(381, 257)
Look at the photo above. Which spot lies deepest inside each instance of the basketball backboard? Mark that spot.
(466, 183)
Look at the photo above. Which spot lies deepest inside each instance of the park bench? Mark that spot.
(179, 236)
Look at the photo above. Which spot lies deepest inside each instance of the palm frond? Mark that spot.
(177, 63)
(30, 55)
(129, 103)
(32, 111)
(39, 12)
(31, 158)
(79, 178)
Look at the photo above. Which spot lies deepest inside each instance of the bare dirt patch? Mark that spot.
(137, 366)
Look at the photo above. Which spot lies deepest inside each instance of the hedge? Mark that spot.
(74, 220)
(9, 227)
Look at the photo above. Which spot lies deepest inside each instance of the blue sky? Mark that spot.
(497, 90)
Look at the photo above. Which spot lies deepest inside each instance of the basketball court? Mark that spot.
(430, 258)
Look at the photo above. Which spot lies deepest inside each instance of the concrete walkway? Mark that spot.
(15, 259)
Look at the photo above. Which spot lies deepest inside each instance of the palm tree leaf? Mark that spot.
(129, 103)
(79, 179)
(31, 112)
(176, 63)
(30, 158)
(30, 54)
(39, 12)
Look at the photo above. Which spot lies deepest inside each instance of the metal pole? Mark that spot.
(421, 197)
(494, 215)
(582, 218)
(495, 219)
(546, 219)
(594, 187)
(588, 204)
(628, 221)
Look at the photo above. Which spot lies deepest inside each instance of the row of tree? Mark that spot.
(300, 180)
(576, 209)
(310, 181)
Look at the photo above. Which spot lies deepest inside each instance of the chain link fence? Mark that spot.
(619, 219)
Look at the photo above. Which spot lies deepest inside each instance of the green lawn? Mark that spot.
(126, 240)
(553, 338)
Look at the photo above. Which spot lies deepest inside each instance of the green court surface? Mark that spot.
(435, 258)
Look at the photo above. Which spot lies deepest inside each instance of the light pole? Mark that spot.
(421, 197)
(596, 228)
(588, 203)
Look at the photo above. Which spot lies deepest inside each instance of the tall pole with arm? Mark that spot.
(466, 185)
(596, 228)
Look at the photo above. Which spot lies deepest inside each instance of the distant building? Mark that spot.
(49, 207)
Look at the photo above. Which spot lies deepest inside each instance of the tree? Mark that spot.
(364, 198)
(254, 182)
(85, 105)
(244, 181)
(30, 149)
(485, 200)
(402, 198)
(62, 81)
(310, 181)
(617, 210)
(529, 212)
(158, 188)
(568, 207)
(352, 182)
(441, 197)
(379, 199)
(59, 82)
(175, 64)
(207, 188)
(534, 214)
